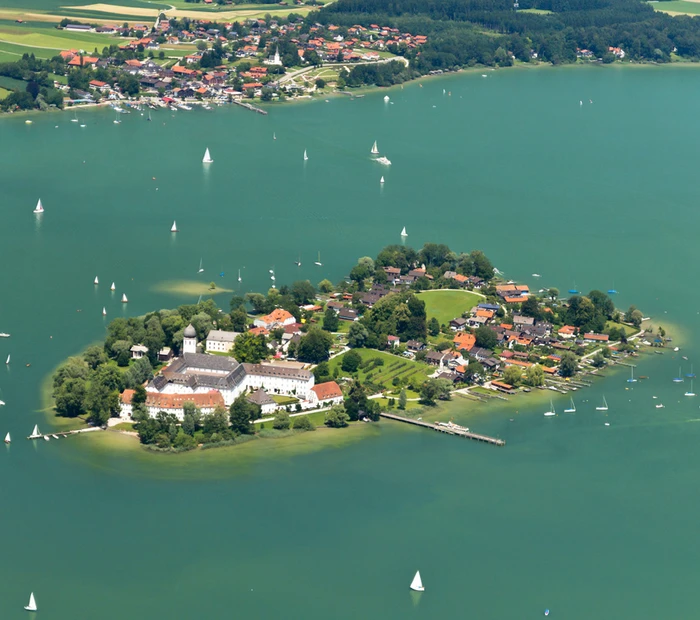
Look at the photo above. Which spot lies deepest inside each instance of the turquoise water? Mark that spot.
(584, 519)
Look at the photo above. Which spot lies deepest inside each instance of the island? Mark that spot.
(401, 333)
(240, 54)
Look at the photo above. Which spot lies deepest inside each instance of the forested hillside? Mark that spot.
(493, 32)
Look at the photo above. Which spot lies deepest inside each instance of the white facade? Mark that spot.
(220, 341)
(279, 380)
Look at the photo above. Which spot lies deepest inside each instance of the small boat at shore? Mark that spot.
(35, 432)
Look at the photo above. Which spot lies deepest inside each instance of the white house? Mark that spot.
(172, 403)
(279, 379)
(277, 318)
(326, 394)
(263, 399)
(138, 351)
(220, 341)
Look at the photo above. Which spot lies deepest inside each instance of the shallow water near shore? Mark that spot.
(585, 519)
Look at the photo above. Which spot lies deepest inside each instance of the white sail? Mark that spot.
(404, 233)
(207, 158)
(374, 150)
(113, 287)
(32, 603)
(173, 228)
(124, 299)
(200, 266)
(417, 584)
(386, 97)
(381, 180)
(305, 155)
(39, 207)
(552, 411)
(35, 432)
(104, 311)
(318, 262)
(97, 280)
(239, 276)
(572, 409)
(604, 407)
(274, 137)
(7, 438)
(7, 361)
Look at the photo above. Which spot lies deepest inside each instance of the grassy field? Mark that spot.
(383, 375)
(3, 92)
(677, 7)
(447, 305)
(284, 400)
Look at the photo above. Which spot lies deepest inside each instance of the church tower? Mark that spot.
(189, 341)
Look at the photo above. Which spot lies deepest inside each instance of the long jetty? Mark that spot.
(449, 429)
(65, 433)
(248, 106)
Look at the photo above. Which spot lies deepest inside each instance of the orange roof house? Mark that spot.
(82, 61)
(329, 391)
(464, 341)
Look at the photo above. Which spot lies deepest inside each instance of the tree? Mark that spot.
(330, 320)
(434, 389)
(474, 370)
(314, 346)
(531, 307)
(357, 336)
(325, 286)
(482, 265)
(302, 292)
(242, 413)
(155, 338)
(357, 405)
(216, 422)
(402, 400)
(336, 417)
(568, 364)
(250, 348)
(70, 398)
(598, 361)
(322, 373)
(602, 302)
(281, 421)
(320, 82)
(302, 423)
(553, 293)
(351, 361)
(534, 376)
(257, 301)
(94, 356)
(512, 375)
(433, 327)
(101, 402)
(485, 337)
(634, 316)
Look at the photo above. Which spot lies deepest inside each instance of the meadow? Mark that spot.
(447, 305)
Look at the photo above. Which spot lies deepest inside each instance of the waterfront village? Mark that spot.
(227, 62)
(370, 344)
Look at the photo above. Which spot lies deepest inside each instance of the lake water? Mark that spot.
(587, 520)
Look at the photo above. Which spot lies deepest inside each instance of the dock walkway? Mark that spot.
(449, 428)
(65, 433)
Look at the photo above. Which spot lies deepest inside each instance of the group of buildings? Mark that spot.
(210, 381)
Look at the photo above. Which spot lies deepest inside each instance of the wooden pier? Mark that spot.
(65, 433)
(449, 429)
(250, 107)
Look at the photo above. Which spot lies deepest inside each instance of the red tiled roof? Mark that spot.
(326, 391)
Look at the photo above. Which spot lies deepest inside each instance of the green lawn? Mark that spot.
(677, 6)
(629, 329)
(38, 35)
(448, 305)
(394, 366)
(284, 400)
(3, 92)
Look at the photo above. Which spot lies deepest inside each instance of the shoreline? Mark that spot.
(371, 89)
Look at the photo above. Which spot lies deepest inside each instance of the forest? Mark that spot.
(496, 33)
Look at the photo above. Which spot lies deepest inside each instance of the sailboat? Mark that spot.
(116, 120)
(612, 291)
(572, 409)
(124, 299)
(274, 137)
(7, 361)
(173, 228)
(239, 276)
(7, 438)
(298, 261)
(305, 155)
(207, 158)
(632, 379)
(374, 150)
(149, 115)
(113, 287)
(39, 207)
(104, 311)
(318, 262)
(417, 584)
(201, 269)
(96, 281)
(381, 180)
(691, 374)
(690, 393)
(404, 233)
(604, 406)
(573, 291)
(552, 411)
(679, 378)
(75, 117)
(32, 603)
(35, 432)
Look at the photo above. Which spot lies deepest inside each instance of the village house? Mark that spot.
(277, 318)
(593, 337)
(138, 351)
(220, 341)
(261, 398)
(458, 324)
(326, 394)
(393, 341)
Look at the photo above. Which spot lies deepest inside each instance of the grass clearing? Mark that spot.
(447, 305)
(677, 7)
(284, 400)
(384, 375)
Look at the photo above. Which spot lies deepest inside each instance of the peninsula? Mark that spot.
(403, 331)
